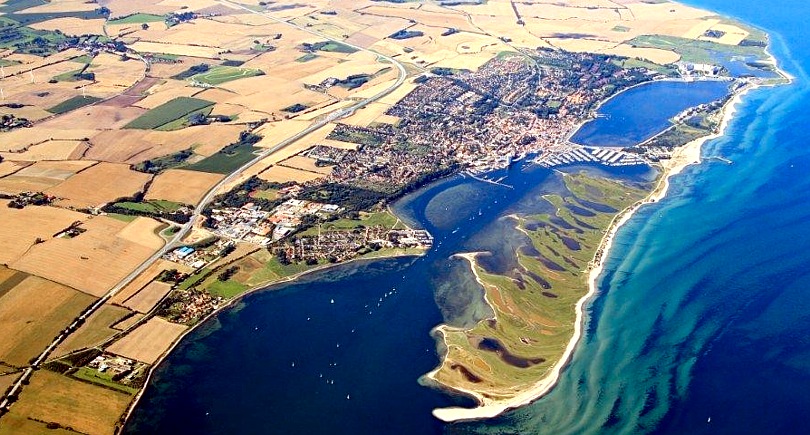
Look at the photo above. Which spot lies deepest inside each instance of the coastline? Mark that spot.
(230, 303)
(682, 157)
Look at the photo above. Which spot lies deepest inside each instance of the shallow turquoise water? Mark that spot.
(704, 311)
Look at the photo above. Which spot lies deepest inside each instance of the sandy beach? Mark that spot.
(682, 157)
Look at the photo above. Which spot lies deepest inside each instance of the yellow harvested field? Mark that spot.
(367, 115)
(121, 8)
(148, 297)
(8, 167)
(32, 313)
(14, 424)
(7, 381)
(32, 113)
(183, 186)
(499, 8)
(61, 6)
(49, 150)
(113, 74)
(339, 144)
(565, 12)
(145, 277)
(93, 262)
(128, 322)
(134, 146)
(177, 49)
(23, 138)
(306, 164)
(148, 341)
(282, 174)
(21, 228)
(700, 28)
(95, 330)
(274, 132)
(110, 181)
(166, 91)
(143, 231)
(446, 18)
(72, 26)
(399, 93)
(41, 175)
(242, 249)
(52, 397)
(325, 110)
(733, 35)
(108, 117)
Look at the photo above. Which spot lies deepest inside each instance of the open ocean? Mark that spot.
(702, 324)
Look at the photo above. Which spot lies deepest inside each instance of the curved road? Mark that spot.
(174, 242)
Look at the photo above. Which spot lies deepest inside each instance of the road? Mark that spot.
(209, 196)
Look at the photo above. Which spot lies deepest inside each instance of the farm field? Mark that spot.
(32, 312)
(49, 150)
(51, 397)
(222, 74)
(96, 329)
(41, 175)
(93, 261)
(135, 146)
(110, 180)
(168, 112)
(283, 174)
(148, 341)
(22, 228)
(145, 277)
(148, 297)
(182, 186)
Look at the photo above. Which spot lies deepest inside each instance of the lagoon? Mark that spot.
(635, 115)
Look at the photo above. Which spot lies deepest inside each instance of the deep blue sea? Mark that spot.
(702, 324)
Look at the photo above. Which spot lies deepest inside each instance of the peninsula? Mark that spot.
(161, 159)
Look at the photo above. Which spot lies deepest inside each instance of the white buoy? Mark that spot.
(293, 364)
(348, 397)
(331, 301)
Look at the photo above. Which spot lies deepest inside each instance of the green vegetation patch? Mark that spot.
(21, 39)
(103, 379)
(364, 219)
(307, 57)
(534, 303)
(73, 103)
(122, 217)
(695, 51)
(231, 157)
(137, 19)
(156, 206)
(222, 74)
(226, 289)
(192, 280)
(622, 29)
(160, 164)
(168, 112)
(329, 47)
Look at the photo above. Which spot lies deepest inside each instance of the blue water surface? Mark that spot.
(637, 114)
(700, 326)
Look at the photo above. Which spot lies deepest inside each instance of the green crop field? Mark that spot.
(168, 112)
(222, 74)
(225, 162)
(73, 103)
(154, 206)
(137, 19)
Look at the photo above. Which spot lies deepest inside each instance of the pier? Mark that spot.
(572, 154)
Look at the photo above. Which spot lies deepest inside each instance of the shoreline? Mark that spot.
(687, 155)
(266, 286)
(682, 157)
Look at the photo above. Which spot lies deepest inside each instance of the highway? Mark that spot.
(175, 241)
